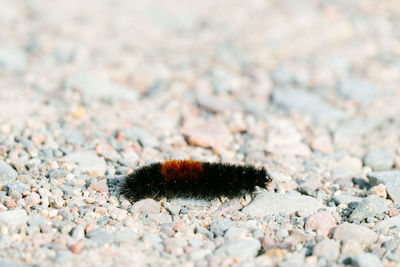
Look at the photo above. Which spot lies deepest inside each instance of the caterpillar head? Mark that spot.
(265, 179)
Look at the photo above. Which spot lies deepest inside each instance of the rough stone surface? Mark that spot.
(267, 203)
(190, 202)
(7, 263)
(346, 199)
(137, 133)
(7, 173)
(388, 223)
(234, 233)
(93, 87)
(209, 134)
(88, 162)
(366, 260)
(359, 90)
(100, 186)
(245, 248)
(229, 206)
(13, 217)
(146, 205)
(379, 160)
(391, 179)
(355, 233)
(220, 226)
(101, 237)
(322, 222)
(33, 199)
(369, 207)
(347, 173)
(378, 190)
(12, 60)
(217, 104)
(327, 248)
(305, 102)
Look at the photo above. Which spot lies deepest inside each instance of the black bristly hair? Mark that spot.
(193, 179)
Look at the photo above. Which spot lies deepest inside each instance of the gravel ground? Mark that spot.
(90, 90)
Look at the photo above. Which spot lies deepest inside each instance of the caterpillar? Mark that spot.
(193, 179)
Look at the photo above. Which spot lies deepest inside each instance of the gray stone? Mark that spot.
(251, 225)
(215, 104)
(327, 248)
(369, 207)
(184, 210)
(111, 155)
(100, 237)
(174, 209)
(129, 159)
(151, 238)
(234, 233)
(74, 136)
(78, 232)
(57, 202)
(37, 220)
(146, 205)
(268, 203)
(306, 102)
(196, 243)
(13, 217)
(282, 76)
(161, 218)
(231, 205)
(295, 260)
(379, 160)
(223, 80)
(63, 256)
(32, 200)
(388, 223)
(174, 246)
(125, 235)
(281, 178)
(220, 226)
(18, 187)
(365, 259)
(258, 233)
(346, 173)
(197, 256)
(346, 199)
(347, 231)
(64, 56)
(137, 133)
(7, 263)
(96, 88)
(88, 161)
(391, 179)
(281, 233)
(57, 173)
(361, 91)
(7, 173)
(245, 248)
(351, 130)
(167, 230)
(32, 230)
(190, 202)
(13, 60)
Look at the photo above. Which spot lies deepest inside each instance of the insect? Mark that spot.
(193, 179)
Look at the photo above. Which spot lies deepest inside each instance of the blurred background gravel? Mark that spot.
(89, 90)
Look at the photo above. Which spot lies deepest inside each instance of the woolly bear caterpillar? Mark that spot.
(193, 179)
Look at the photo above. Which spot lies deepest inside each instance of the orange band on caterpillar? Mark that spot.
(175, 170)
(188, 178)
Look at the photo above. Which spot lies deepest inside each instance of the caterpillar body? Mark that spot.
(193, 179)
